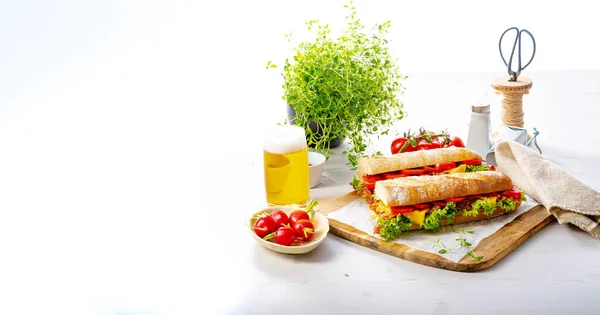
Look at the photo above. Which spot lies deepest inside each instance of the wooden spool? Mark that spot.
(512, 100)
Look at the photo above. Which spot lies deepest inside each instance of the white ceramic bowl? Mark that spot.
(321, 230)
(317, 164)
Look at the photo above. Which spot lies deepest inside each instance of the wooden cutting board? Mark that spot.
(493, 248)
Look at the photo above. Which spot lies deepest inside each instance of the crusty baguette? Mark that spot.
(459, 218)
(382, 164)
(412, 190)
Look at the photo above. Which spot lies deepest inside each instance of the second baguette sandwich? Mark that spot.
(430, 202)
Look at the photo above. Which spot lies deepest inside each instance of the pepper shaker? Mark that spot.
(479, 138)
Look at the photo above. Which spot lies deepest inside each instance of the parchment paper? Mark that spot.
(358, 215)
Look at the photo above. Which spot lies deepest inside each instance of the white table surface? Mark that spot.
(136, 205)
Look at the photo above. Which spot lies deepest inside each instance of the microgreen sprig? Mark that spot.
(461, 242)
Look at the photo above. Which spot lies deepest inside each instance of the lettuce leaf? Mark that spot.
(487, 204)
(390, 229)
(357, 184)
(434, 220)
(507, 204)
(475, 168)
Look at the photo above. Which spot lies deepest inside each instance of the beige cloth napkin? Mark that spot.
(568, 199)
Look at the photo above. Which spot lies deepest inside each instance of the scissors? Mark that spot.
(515, 74)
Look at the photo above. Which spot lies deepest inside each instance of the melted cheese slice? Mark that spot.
(459, 169)
(416, 216)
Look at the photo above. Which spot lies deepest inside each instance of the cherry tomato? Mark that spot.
(398, 143)
(370, 180)
(413, 172)
(280, 217)
(472, 162)
(514, 193)
(402, 209)
(455, 200)
(393, 175)
(439, 203)
(457, 142)
(285, 236)
(428, 146)
(298, 215)
(422, 206)
(445, 166)
(304, 229)
(377, 229)
(264, 225)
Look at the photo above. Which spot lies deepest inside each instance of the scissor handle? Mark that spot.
(515, 74)
(532, 55)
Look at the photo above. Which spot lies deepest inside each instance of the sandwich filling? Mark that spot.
(364, 186)
(392, 221)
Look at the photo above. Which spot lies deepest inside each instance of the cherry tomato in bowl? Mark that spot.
(319, 221)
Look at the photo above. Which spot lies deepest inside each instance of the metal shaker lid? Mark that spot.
(480, 108)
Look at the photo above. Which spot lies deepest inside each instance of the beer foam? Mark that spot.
(285, 139)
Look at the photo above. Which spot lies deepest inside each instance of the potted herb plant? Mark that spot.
(344, 87)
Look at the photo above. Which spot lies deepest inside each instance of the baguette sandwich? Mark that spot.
(430, 202)
(417, 163)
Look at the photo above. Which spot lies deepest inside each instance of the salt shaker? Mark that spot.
(480, 131)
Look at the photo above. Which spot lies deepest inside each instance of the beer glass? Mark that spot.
(286, 166)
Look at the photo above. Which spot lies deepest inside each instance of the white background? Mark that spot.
(124, 124)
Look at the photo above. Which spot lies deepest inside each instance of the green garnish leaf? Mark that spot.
(453, 229)
(442, 251)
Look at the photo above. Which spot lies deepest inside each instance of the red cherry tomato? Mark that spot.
(439, 203)
(514, 193)
(472, 162)
(413, 172)
(422, 206)
(398, 143)
(445, 166)
(455, 200)
(304, 230)
(264, 225)
(393, 175)
(428, 146)
(370, 180)
(280, 217)
(285, 236)
(298, 215)
(457, 142)
(402, 209)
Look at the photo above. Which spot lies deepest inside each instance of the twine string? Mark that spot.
(512, 108)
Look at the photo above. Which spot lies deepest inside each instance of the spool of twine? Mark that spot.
(511, 109)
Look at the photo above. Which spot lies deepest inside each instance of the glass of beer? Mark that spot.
(286, 166)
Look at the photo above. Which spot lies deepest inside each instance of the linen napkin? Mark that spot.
(565, 197)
